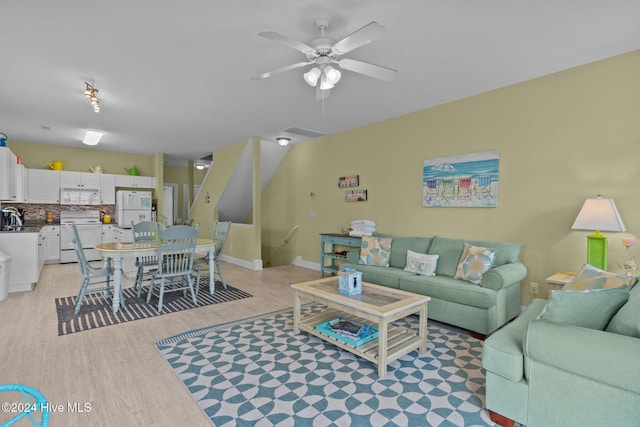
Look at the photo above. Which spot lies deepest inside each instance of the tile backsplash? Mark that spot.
(32, 211)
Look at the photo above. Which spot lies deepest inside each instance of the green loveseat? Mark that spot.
(542, 374)
(480, 308)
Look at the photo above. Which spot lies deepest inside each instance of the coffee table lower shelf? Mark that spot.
(399, 342)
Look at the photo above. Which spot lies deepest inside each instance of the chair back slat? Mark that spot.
(176, 250)
(77, 247)
(220, 234)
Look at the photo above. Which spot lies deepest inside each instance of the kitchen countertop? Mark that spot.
(31, 226)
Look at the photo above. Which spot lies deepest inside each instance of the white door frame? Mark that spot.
(175, 200)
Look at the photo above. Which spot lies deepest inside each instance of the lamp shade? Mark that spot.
(312, 76)
(599, 214)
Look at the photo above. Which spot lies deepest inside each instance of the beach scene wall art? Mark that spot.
(464, 180)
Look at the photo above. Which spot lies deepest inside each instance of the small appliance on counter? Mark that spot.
(132, 206)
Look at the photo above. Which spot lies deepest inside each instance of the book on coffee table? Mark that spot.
(348, 331)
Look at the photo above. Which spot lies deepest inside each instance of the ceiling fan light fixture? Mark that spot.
(283, 141)
(312, 76)
(325, 84)
(333, 75)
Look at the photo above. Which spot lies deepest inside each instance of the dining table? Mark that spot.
(117, 251)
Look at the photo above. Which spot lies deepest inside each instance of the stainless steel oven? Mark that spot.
(90, 232)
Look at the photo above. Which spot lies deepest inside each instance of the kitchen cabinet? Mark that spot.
(52, 244)
(134, 181)
(80, 180)
(107, 189)
(111, 233)
(42, 248)
(44, 186)
(24, 250)
(22, 176)
(8, 175)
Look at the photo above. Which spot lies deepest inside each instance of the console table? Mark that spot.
(328, 244)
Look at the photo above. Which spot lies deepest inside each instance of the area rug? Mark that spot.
(96, 311)
(257, 372)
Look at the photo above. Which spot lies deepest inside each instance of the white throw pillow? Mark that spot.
(421, 263)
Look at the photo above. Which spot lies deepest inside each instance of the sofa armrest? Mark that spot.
(504, 276)
(353, 256)
(598, 355)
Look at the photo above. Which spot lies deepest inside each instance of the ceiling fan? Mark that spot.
(323, 52)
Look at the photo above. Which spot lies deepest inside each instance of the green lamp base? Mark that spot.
(597, 250)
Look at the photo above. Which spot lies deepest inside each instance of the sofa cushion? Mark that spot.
(502, 353)
(627, 320)
(402, 244)
(423, 264)
(450, 251)
(375, 251)
(588, 309)
(474, 262)
(385, 276)
(448, 289)
(590, 277)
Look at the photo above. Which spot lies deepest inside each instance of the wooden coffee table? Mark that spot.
(377, 306)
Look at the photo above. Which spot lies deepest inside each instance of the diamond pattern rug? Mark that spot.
(257, 372)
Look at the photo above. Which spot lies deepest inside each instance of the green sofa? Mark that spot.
(480, 308)
(542, 374)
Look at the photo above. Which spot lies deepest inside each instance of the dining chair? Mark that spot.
(174, 268)
(94, 279)
(144, 232)
(220, 234)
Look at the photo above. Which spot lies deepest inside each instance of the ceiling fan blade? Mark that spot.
(281, 70)
(361, 37)
(294, 44)
(375, 71)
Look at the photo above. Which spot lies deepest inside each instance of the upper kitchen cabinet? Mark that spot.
(44, 186)
(23, 187)
(107, 189)
(80, 180)
(135, 181)
(9, 175)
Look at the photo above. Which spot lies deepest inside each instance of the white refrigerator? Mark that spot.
(132, 206)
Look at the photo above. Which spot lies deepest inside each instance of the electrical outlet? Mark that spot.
(533, 288)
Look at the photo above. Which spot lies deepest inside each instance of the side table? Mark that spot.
(331, 240)
(558, 280)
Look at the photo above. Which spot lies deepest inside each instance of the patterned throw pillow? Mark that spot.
(474, 262)
(421, 263)
(590, 277)
(375, 251)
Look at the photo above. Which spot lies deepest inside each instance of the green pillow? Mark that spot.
(627, 320)
(588, 309)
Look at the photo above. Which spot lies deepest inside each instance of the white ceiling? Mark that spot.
(175, 76)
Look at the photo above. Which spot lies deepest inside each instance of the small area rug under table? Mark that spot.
(96, 311)
(257, 372)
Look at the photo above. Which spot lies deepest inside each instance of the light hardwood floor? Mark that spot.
(117, 369)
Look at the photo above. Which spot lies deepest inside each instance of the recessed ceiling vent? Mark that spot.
(303, 132)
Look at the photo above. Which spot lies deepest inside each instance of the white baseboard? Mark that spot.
(298, 261)
(255, 265)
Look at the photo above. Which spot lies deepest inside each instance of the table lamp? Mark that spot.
(596, 215)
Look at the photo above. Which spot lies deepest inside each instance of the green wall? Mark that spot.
(562, 138)
(79, 159)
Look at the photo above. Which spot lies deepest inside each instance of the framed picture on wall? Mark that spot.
(349, 181)
(465, 180)
(355, 196)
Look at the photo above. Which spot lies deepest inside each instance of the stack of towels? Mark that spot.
(362, 227)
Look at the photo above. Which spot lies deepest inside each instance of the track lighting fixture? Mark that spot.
(92, 93)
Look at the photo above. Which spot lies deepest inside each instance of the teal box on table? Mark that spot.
(349, 282)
